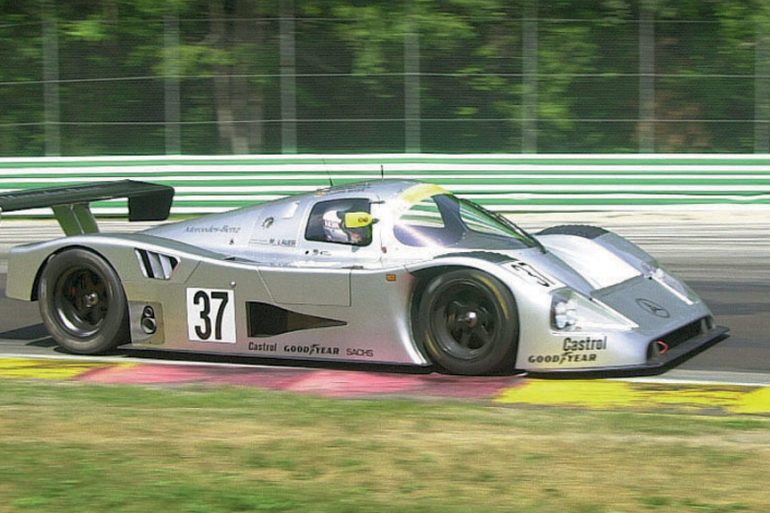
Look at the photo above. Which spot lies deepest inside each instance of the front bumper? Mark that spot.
(656, 364)
(688, 348)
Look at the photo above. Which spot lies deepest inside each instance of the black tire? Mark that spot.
(579, 230)
(468, 323)
(82, 303)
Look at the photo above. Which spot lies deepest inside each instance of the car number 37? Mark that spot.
(211, 315)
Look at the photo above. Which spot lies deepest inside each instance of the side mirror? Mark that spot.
(358, 220)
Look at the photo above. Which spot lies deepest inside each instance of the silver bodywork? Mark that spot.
(344, 302)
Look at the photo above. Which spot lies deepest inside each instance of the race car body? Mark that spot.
(391, 271)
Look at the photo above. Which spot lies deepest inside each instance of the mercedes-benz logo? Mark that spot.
(653, 307)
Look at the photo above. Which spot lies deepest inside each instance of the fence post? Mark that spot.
(288, 78)
(529, 79)
(51, 101)
(171, 84)
(412, 127)
(646, 77)
(761, 91)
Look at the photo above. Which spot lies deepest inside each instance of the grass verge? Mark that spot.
(83, 448)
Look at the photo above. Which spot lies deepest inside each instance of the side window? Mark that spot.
(425, 213)
(428, 223)
(326, 222)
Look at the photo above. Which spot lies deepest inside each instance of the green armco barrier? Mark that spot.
(506, 183)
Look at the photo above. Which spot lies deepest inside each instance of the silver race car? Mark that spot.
(390, 271)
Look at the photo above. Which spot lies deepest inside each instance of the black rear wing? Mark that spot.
(70, 204)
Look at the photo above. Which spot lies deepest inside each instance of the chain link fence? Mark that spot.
(518, 80)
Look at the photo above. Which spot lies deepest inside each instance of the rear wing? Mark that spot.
(70, 204)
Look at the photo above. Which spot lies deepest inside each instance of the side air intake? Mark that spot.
(156, 265)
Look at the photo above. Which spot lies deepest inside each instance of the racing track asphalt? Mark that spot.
(724, 258)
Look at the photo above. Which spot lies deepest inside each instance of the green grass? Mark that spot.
(82, 448)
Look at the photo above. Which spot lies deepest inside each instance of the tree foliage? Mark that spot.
(117, 60)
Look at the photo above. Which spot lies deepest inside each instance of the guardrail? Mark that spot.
(506, 183)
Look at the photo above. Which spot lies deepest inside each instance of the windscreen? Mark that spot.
(444, 220)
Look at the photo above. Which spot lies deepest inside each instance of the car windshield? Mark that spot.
(447, 221)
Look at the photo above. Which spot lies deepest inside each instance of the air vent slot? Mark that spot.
(156, 265)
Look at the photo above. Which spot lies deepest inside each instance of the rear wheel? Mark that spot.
(82, 303)
(467, 322)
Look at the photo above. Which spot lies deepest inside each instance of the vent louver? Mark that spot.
(156, 265)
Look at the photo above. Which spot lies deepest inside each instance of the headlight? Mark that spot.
(564, 314)
(571, 311)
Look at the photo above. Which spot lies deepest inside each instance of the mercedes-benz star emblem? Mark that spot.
(653, 307)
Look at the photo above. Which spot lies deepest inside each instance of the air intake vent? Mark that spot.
(155, 265)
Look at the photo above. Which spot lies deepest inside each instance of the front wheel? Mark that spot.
(468, 323)
(82, 303)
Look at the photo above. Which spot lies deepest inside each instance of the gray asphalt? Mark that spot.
(726, 263)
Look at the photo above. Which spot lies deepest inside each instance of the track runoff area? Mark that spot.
(728, 193)
(646, 395)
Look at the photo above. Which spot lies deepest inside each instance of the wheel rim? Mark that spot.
(81, 300)
(465, 320)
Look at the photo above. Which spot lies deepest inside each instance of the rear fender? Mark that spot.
(26, 262)
(25, 266)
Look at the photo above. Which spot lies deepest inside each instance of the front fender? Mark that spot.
(530, 285)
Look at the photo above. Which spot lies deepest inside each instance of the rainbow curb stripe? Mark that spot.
(501, 390)
(321, 382)
(48, 369)
(623, 395)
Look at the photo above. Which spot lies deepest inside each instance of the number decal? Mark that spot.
(199, 298)
(538, 277)
(210, 315)
(224, 298)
